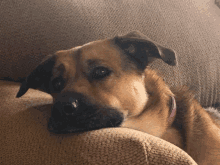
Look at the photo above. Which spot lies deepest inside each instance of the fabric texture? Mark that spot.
(25, 139)
(33, 29)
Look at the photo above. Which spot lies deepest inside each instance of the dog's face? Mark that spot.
(97, 85)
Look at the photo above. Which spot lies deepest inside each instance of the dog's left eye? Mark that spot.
(100, 72)
(58, 84)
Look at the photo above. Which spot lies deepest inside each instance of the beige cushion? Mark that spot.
(25, 139)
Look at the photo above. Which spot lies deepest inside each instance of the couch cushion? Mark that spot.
(31, 30)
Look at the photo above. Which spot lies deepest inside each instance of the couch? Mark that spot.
(30, 30)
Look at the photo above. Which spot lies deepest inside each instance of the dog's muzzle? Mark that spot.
(71, 107)
(71, 114)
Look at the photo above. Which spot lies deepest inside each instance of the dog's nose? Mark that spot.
(71, 107)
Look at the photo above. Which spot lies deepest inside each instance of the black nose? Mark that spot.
(71, 107)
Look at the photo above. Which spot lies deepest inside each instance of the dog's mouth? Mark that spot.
(77, 124)
(52, 127)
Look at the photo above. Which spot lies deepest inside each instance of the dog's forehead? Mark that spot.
(102, 50)
(66, 55)
(83, 58)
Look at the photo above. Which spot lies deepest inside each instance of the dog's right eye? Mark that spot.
(58, 84)
(100, 73)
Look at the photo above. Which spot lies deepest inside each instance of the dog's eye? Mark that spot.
(58, 84)
(100, 72)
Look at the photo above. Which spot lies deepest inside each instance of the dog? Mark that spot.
(108, 83)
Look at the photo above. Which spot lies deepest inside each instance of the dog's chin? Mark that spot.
(76, 129)
(66, 131)
(65, 127)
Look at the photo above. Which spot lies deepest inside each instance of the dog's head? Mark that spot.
(99, 84)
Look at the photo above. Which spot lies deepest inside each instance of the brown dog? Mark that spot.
(107, 83)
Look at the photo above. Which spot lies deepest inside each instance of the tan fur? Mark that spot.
(144, 101)
(123, 90)
(199, 135)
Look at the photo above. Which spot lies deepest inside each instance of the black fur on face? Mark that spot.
(86, 117)
(141, 50)
(40, 77)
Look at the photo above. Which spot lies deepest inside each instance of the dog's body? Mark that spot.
(107, 83)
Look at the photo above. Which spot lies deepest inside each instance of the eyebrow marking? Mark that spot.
(58, 70)
(92, 63)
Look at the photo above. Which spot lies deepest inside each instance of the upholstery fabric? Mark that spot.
(30, 30)
(25, 139)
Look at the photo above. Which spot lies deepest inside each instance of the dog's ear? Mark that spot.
(40, 77)
(143, 50)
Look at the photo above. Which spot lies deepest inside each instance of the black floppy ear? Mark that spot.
(40, 77)
(143, 50)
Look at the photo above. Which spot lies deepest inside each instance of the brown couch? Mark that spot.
(29, 30)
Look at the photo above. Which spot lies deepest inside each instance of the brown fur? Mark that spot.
(201, 135)
(193, 129)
